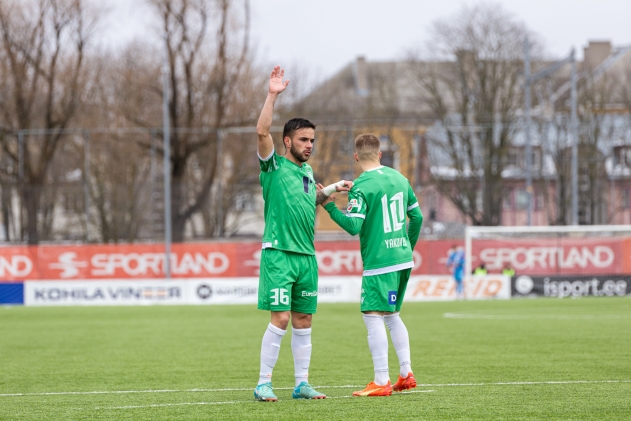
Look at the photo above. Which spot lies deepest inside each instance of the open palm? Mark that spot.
(276, 84)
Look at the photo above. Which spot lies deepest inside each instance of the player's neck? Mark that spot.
(369, 165)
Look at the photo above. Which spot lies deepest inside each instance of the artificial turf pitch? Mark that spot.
(518, 359)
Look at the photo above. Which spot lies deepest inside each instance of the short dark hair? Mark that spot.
(296, 124)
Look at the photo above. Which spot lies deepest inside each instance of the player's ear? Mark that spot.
(287, 141)
(379, 155)
(356, 157)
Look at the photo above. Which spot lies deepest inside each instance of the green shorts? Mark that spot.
(384, 292)
(288, 281)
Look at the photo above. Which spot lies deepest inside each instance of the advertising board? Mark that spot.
(571, 286)
(544, 257)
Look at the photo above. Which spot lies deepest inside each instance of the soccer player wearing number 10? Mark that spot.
(288, 284)
(378, 203)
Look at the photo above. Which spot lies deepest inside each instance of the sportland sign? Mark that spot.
(335, 258)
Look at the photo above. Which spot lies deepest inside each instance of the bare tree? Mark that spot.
(209, 64)
(472, 86)
(43, 46)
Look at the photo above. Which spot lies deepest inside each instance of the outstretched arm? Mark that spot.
(276, 86)
(350, 225)
(322, 193)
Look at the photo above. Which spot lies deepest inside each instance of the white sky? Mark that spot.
(325, 35)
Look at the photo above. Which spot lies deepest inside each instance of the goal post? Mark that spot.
(577, 250)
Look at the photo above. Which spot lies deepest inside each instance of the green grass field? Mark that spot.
(519, 359)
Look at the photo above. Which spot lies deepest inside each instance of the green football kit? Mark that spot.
(377, 207)
(289, 270)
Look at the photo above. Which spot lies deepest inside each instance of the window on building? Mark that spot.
(626, 156)
(387, 158)
(626, 198)
(536, 159)
(521, 199)
(513, 157)
(516, 157)
(507, 200)
(539, 203)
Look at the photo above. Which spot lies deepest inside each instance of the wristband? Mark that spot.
(331, 188)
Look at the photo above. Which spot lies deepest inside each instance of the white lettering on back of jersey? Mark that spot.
(396, 242)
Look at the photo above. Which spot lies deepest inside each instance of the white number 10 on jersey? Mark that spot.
(395, 212)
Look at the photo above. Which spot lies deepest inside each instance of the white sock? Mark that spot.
(401, 342)
(378, 344)
(301, 348)
(269, 352)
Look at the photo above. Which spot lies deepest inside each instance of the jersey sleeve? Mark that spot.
(270, 163)
(356, 204)
(350, 225)
(416, 217)
(412, 201)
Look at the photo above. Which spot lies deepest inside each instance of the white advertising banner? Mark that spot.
(123, 292)
(331, 289)
(443, 288)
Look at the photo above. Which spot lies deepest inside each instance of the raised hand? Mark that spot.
(276, 84)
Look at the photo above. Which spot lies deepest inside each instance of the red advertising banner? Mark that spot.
(335, 258)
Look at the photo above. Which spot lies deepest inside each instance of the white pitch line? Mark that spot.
(113, 392)
(158, 405)
(530, 317)
(523, 383)
(104, 392)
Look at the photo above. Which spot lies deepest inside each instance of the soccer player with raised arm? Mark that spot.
(378, 203)
(288, 283)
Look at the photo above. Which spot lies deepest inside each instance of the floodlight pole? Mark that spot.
(167, 161)
(527, 107)
(86, 182)
(573, 125)
(574, 132)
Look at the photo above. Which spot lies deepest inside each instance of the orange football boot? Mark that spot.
(404, 383)
(375, 390)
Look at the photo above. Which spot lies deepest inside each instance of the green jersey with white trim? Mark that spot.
(383, 197)
(289, 192)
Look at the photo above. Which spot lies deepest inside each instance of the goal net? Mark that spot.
(558, 261)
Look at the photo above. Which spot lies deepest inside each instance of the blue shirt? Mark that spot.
(456, 260)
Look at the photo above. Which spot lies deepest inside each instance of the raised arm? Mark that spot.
(276, 86)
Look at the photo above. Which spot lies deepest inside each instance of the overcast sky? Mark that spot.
(325, 35)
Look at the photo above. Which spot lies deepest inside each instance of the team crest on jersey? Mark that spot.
(354, 203)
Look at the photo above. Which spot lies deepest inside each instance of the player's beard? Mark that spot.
(300, 157)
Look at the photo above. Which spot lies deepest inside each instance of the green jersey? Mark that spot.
(380, 199)
(289, 192)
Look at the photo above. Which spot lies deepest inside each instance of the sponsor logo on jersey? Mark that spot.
(309, 293)
(392, 298)
(354, 203)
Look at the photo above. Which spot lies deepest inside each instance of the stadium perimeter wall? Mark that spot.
(227, 272)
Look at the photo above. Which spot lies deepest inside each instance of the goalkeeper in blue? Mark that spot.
(377, 207)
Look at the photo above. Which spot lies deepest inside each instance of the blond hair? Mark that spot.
(367, 147)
